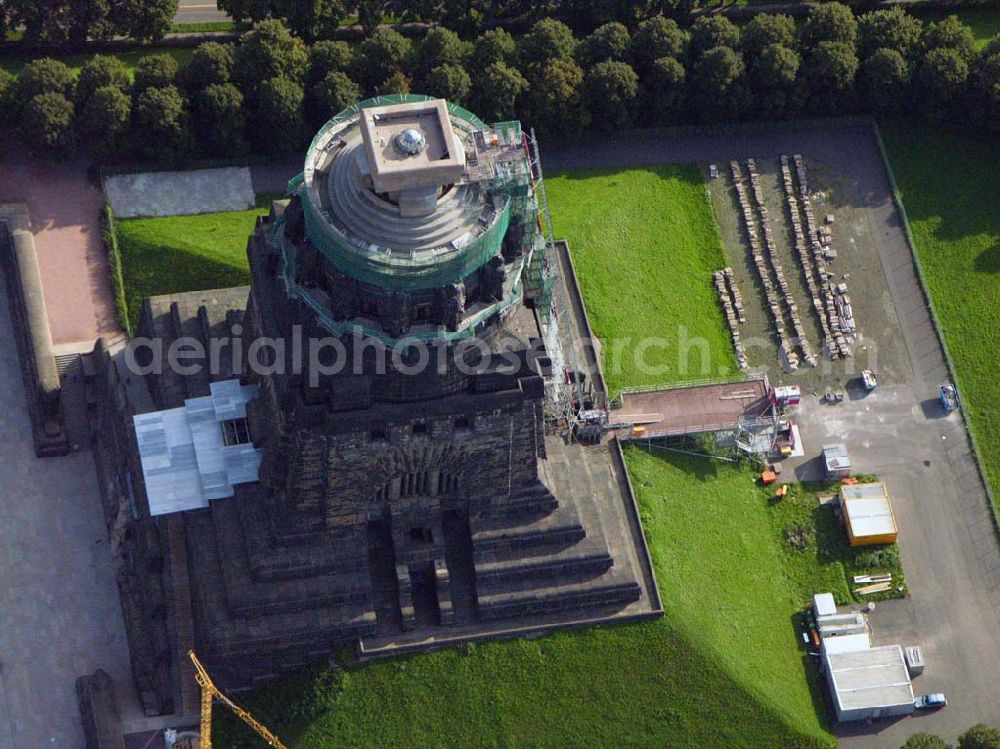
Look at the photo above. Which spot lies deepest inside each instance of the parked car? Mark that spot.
(930, 701)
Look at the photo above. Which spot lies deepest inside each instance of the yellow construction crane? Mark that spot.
(210, 691)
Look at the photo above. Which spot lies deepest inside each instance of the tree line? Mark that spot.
(270, 91)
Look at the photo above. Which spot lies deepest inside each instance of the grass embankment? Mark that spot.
(644, 243)
(722, 668)
(184, 253)
(949, 183)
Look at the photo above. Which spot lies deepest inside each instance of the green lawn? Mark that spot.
(950, 182)
(645, 243)
(13, 62)
(184, 253)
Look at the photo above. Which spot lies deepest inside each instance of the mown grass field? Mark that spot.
(184, 253)
(949, 183)
(644, 243)
(722, 668)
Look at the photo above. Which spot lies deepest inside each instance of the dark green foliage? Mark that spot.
(985, 86)
(211, 63)
(145, 20)
(103, 120)
(161, 122)
(949, 33)
(246, 10)
(47, 122)
(548, 39)
(397, 83)
(555, 102)
(97, 72)
(612, 90)
(219, 120)
(73, 22)
(829, 72)
(888, 29)
(663, 90)
(766, 29)
(156, 71)
(449, 82)
(44, 76)
(268, 51)
(925, 741)
(709, 32)
(8, 88)
(496, 91)
(773, 73)
(330, 96)
(328, 57)
(276, 120)
(608, 42)
(657, 37)
(311, 19)
(495, 45)
(940, 80)
(383, 53)
(718, 82)
(980, 736)
(440, 46)
(830, 22)
(884, 80)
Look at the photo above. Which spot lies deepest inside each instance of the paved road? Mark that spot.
(59, 610)
(198, 11)
(949, 545)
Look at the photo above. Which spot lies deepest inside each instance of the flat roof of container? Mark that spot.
(868, 509)
(872, 677)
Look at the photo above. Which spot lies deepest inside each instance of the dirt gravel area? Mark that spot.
(65, 217)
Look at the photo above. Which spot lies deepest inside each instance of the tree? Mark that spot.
(211, 64)
(608, 42)
(161, 117)
(923, 740)
(612, 90)
(268, 51)
(773, 73)
(884, 79)
(888, 29)
(980, 736)
(47, 122)
(950, 33)
(97, 72)
(495, 45)
(765, 29)
(397, 83)
(985, 84)
(328, 57)
(991, 48)
(709, 32)
(718, 82)
(555, 103)
(548, 39)
(145, 20)
(335, 93)
(311, 19)
(830, 22)
(369, 15)
(103, 120)
(940, 80)
(277, 115)
(829, 71)
(155, 71)
(440, 46)
(655, 38)
(8, 88)
(450, 82)
(44, 76)
(383, 53)
(219, 120)
(497, 90)
(246, 10)
(663, 90)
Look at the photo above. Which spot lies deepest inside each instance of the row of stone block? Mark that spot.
(773, 301)
(734, 314)
(797, 328)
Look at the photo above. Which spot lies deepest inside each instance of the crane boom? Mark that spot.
(210, 691)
